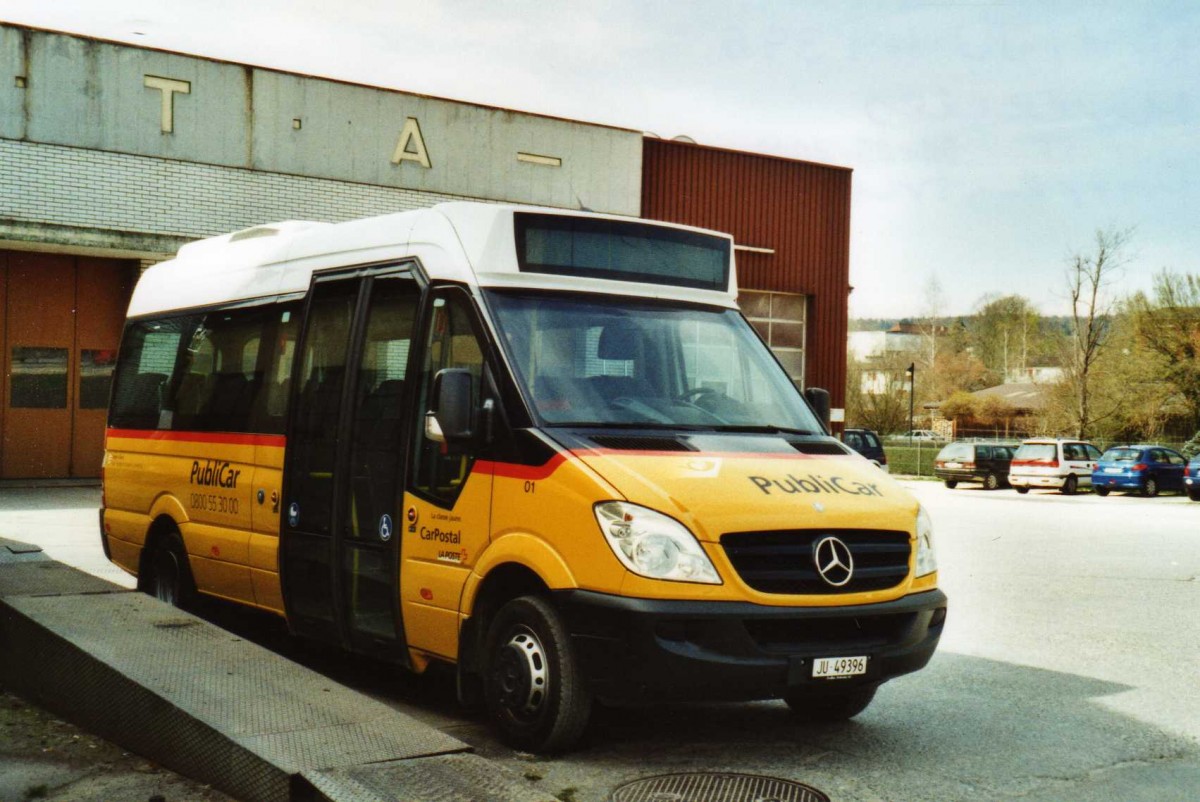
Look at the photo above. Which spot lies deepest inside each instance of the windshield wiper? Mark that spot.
(747, 429)
(595, 424)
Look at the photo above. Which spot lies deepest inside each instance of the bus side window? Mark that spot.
(148, 362)
(451, 342)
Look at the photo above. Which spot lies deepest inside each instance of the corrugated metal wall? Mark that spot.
(798, 209)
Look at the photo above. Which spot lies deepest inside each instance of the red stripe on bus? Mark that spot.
(223, 438)
(511, 470)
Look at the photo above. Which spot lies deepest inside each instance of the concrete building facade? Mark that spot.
(113, 156)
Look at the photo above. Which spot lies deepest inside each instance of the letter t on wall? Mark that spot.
(168, 87)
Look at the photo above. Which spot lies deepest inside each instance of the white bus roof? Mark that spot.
(472, 243)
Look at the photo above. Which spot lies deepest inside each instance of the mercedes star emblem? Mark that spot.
(833, 560)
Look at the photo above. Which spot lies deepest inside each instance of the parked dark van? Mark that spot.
(867, 443)
(974, 462)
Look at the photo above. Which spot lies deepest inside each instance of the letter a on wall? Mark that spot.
(411, 146)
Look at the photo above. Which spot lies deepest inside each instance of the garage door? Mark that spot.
(61, 328)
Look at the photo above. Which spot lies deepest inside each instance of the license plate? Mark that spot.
(1112, 470)
(824, 667)
(953, 464)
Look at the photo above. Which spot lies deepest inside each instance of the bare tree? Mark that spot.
(935, 301)
(1089, 279)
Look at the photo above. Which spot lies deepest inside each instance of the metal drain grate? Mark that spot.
(715, 787)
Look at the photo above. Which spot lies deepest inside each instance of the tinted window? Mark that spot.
(450, 342)
(1044, 451)
(224, 371)
(956, 451)
(149, 352)
(1174, 458)
(1092, 451)
(871, 440)
(39, 378)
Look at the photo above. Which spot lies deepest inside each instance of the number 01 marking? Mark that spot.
(530, 486)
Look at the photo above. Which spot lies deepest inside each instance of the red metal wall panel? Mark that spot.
(801, 210)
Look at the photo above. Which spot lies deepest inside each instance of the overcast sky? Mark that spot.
(989, 140)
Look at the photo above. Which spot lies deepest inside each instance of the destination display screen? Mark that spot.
(621, 251)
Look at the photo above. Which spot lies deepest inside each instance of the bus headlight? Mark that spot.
(926, 557)
(652, 545)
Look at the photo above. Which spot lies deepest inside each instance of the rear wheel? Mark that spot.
(1021, 490)
(533, 686)
(1070, 485)
(1101, 491)
(1194, 494)
(1150, 487)
(829, 706)
(951, 483)
(170, 578)
(991, 481)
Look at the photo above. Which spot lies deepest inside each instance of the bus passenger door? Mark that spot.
(343, 467)
(448, 503)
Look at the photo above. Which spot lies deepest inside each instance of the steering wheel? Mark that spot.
(696, 393)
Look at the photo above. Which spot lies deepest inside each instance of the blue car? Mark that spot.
(1191, 478)
(1139, 469)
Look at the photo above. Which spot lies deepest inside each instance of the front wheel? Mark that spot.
(533, 687)
(825, 707)
(991, 481)
(1021, 490)
(1150, 487)
(1070, 485)
(1100, 491)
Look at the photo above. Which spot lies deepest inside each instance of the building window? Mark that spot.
(780, 319)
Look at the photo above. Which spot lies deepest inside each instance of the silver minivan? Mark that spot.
(1055, 464)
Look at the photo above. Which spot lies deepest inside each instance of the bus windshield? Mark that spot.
(592, 361)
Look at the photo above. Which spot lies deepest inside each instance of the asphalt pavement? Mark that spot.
(1069, 669)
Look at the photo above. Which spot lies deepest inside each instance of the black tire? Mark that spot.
(1070, 485)
(169, 575)
(951, 483)
(1021, 490)
(991, 482)
(1100, 491)
(1194, 494)
(1150, 487)
(829, 706)
(533, 687)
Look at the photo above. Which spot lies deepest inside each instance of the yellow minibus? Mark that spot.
(541, 446)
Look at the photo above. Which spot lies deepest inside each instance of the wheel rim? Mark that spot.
(522, 675)
(991, 483)
(1151, 487)
(166, 577)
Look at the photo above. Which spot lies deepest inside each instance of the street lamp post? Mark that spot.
(911, 373)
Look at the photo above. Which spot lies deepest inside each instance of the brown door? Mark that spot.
(102, 291)
(62, 322)
(41, 334)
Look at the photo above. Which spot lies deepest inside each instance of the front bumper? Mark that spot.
(641, 650)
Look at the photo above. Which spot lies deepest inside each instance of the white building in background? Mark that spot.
(867, 345)
(874, 346)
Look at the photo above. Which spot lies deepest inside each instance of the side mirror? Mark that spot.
(818, 399)
(452, 420)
